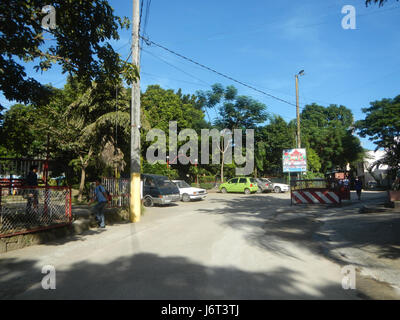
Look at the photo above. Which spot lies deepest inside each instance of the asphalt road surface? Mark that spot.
(229, 246)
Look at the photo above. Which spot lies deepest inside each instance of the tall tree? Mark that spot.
(91, 122)
(161, 106)
(382, 126)
(270, 141)
(235, 112)
(329, 132)
(79, 44)
(18, 134)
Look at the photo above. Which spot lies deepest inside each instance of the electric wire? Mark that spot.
(150, 42)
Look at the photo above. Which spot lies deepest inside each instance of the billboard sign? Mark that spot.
(294, 160)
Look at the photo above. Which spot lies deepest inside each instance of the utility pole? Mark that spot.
(135, 185)
(298, 107)
(298, 112)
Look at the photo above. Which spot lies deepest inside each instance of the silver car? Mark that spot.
(265, 184)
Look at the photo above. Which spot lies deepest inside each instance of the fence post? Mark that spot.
(1, 211)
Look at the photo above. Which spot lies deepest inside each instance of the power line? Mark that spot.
(172, 79)
(149, 42)
(144, 25)
(146, 18)
(140, 17)
(175, 67)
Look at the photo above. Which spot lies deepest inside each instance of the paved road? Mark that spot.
(230, 246)
(370, 241)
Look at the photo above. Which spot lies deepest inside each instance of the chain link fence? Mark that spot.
(28, 209)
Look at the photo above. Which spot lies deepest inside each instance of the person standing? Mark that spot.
(101, 196)
(32, 182)
(358, 187)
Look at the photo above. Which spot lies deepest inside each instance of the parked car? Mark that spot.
(372, 184)
(158, 190)
(240, 184)
(188, 192)
(267, 185)
(263, 185)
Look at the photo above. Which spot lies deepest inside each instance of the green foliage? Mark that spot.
(309, 175)
(160, 169)
(80, 45)
(270, 142)
(382, 125)
(18, 132)
(207, 179)
(207, 186)
(313, 161)
(236, 112)
(162, 106)
(329, 132)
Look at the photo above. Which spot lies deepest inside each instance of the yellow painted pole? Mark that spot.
(134, 199)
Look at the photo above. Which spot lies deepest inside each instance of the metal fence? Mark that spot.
(118, 189)
(17, 169)
(29, 209)
(309, 184)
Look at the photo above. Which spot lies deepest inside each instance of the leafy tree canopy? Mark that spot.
(270, 141)
(79, 43)
(382, 126)
(236, 112)
(162, 106)
(329, 132)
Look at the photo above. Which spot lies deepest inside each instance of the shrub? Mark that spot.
(206, 186)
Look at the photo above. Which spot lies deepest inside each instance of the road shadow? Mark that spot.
(270, 221)
(377, 232)
(149, 276)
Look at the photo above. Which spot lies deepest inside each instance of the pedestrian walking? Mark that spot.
(31, 182)
(358, 186)
(101, 196)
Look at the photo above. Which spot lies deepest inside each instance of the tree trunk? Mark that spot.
(222, 168)
(82, 185)
(84, 164)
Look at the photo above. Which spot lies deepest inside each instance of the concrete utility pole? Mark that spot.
(135, 185)
(298, 107)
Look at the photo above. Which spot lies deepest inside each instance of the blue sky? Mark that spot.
(264, 43)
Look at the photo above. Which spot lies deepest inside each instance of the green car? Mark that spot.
(243, 184)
